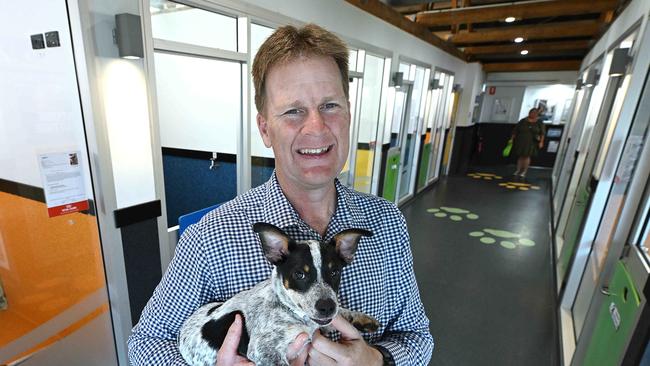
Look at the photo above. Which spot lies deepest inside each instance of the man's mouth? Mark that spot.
(322, 321)
(315, 151)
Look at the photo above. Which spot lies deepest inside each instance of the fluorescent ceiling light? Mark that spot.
(519, 39)
(524, 52)
(510, 19)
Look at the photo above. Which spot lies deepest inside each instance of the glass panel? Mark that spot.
(368, 123)
(344, 176)
(53, 291)
(262, 159)
(198, 130)
(181, 23)
(409, 141)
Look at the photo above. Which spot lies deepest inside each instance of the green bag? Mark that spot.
(506, 150)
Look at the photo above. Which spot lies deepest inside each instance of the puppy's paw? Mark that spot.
(365, 323)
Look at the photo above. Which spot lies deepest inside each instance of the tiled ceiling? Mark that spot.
(555, 34)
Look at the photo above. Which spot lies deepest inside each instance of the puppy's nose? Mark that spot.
(325, 307)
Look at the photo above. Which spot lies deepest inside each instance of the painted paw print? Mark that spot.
(519, 186)
(454, 213)
(484, 176)
(506, 239)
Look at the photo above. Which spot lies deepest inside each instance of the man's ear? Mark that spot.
(347, 242)
(262, 126)
(274, 241)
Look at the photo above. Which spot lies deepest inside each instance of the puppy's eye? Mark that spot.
(299, 275)
(334, 272)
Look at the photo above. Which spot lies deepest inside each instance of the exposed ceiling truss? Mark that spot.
(554, 34)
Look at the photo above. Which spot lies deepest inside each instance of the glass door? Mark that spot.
(194, 50)
(612, 295)
(576, 206)
(392, 140)
(410, 141)
(368, 124)
(54, 304)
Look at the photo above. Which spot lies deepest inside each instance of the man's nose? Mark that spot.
(315, 124)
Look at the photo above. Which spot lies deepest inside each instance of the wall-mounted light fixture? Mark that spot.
(579, 84)
(592, 78)
(620, 59)
(397, 79)
(128, 36)
(456, 88)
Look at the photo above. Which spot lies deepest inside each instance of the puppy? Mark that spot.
(300, 296)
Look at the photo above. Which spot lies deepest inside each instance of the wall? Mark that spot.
(474, 79)
(39, 110)
(508, 97)
(558, 97)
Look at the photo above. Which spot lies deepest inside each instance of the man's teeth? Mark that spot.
(314, 151)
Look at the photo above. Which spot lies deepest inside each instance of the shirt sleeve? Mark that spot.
(185, 286)
(407, 338)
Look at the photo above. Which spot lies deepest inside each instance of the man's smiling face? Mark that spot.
(306, 121)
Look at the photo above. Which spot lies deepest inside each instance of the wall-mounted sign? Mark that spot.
(63, 183)
(492, 90)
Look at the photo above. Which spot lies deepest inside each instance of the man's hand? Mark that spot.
(351, 350)
(227, 356)
(541, 144)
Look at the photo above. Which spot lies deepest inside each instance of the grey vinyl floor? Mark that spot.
(489, 303)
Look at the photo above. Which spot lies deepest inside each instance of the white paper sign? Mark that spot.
(63, 183)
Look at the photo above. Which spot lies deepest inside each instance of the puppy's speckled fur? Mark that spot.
(296, 299)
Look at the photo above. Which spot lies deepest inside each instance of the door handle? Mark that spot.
(605, 291)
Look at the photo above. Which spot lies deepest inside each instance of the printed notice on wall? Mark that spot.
(63, 183)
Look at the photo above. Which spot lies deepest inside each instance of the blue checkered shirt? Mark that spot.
(221, 256)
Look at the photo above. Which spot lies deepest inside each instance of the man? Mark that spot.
(301, 83)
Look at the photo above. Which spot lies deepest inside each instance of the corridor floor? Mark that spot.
(482, 257)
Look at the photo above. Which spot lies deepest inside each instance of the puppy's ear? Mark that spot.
(274, 241)
(347, 242)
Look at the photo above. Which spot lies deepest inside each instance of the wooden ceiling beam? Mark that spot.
(532, 47)
(532, 66)
(388, 14)
(543, 31)
(492, 13)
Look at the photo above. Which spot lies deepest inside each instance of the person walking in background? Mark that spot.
(528, 139)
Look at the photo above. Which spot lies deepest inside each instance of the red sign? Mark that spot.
(492, 90)
(67, 208)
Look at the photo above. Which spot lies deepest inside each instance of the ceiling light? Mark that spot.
(524, 52)
(519, 39)
(510, 19)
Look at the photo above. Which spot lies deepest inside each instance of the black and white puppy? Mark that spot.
(300, 296)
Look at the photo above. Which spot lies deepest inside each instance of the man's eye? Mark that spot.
(329, 105)
(291, 112)
(299, 275)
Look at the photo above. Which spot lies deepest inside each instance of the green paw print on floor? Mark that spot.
(484, 176)
(506, 239)
(454, 213)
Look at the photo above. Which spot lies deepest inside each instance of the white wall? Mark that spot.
(557, 96)
(511, 96)
(39, 100)
(473, 82)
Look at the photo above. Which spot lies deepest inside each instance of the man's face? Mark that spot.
(306, 121)
(533, 114)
